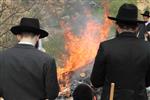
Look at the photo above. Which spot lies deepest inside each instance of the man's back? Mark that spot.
(128, 58)
(124, 61)
(27, 74)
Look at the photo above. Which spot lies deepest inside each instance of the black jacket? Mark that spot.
(125, 61)
(143, 29)
(27, 74)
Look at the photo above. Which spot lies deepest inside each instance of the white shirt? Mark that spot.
(24, 42)
(147, 23)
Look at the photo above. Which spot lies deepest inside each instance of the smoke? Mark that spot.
(79, 12)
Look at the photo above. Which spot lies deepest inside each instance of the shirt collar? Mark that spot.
(147, 23)
(25, 42)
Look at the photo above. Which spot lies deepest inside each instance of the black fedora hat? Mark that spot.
(146, 13)
(29, 25)
(127, 13)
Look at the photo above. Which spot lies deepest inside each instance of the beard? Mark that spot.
(37, 44)
(117, 34)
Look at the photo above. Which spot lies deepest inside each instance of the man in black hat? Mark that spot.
(146, 16)
(25, 72)
(142, 32)
(124, 60)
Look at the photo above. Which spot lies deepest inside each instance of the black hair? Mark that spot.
(127, 25)
(83, 92)
(28, 34)
(37, 45)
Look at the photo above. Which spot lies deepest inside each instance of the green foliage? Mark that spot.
(25, 2)
(147, 8)
(98, 12)
(55, 45)
(115, 4)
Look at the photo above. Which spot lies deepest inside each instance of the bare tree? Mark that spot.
(11, 11)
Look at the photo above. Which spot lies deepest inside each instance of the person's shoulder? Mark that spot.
(4, 53)
(147, 43)
(147, 46)
(44, 55)
(1, 52)
(144, 44)
(106, 42)
(6, 50)
(46, 58)
(143, 41)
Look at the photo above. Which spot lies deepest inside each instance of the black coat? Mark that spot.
(148, 27)
(125, 61)
(27, 74)
(142, 30)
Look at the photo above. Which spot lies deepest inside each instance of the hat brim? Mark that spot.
(145, 15)
(20, 29)
(125, 20)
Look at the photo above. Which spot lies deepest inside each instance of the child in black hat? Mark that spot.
(83, 92)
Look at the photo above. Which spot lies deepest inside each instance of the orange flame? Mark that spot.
(82, 48)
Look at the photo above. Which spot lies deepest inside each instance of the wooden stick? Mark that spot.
(112, 91)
